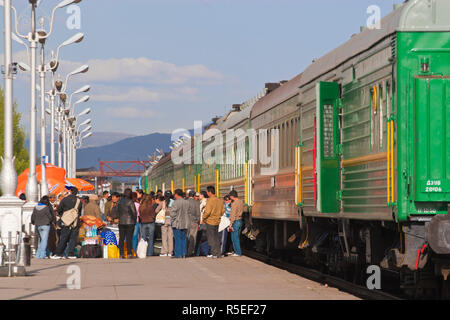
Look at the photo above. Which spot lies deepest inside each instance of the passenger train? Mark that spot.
(364, 155)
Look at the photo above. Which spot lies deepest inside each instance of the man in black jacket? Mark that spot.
(69, 235)
(127, 222)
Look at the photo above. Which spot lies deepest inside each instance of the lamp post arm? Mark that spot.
(16, 24)
(51, 23)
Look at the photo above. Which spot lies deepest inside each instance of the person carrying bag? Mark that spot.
(70, 217)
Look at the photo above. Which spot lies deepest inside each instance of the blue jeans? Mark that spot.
(137, 231)
(180, 248)
(41, 252)
(148, 234)
(235, 237)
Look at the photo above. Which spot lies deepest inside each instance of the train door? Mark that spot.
(327, 145)
(431, 145)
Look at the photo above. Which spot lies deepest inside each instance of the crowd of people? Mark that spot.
(191, 224)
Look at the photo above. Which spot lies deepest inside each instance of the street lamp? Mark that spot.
(61, 87)
(33, 38)
(82, 100)
(82, 69)
(77, 145)
(10, 206)
(53, 67)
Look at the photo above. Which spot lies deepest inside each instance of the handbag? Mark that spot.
(141, 250)
(161, 217)
(224, 223)
(70, 217)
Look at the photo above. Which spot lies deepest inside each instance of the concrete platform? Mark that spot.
(237, 278)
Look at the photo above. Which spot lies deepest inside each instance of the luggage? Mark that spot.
(113, 252)
(109, 238)
(91, 251)
(125, 253)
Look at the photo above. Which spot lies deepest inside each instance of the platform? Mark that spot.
(156, 278)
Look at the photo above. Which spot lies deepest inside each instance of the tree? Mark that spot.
(20, 152)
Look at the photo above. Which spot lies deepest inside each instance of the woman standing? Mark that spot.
(127, 221)
(137, 229)
(42, 217)
(166, 229)
(148, 216)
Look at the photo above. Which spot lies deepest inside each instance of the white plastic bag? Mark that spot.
(105, 252)
(224, 223)
(142, 249)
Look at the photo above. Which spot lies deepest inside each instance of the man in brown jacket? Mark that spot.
(214, 210)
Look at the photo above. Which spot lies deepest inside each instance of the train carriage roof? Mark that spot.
(276, 97)
(415, 15)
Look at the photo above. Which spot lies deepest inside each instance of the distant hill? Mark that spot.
(96, 140)
(104, 138)
(135, 148)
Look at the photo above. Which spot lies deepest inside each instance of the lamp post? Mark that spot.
(10, 205)
(33, 38)
(54, 64)
(71, 142)
(62, 87)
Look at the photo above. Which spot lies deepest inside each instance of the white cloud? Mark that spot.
(130, 113)
(141, 95)
(144, 70)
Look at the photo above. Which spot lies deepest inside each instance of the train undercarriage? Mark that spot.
(347, 248)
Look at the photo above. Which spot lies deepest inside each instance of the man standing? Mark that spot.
(214, 210)
(102, 204)
(69, 234)
(237, 208)
(179, 215)
(112, 215)
(194, 219)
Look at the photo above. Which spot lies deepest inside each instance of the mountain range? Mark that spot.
(133, 148)
(99, 139)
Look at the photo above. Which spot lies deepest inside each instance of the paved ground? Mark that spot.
(164, 278)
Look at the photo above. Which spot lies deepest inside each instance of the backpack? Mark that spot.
(70, 217)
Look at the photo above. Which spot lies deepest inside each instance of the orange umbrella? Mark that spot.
(54, 186)
(80, 184)
(52, 172)
(55, 179)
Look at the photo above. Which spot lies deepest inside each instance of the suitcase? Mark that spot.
(91, 252)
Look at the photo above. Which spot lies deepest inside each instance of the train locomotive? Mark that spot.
(363, 172)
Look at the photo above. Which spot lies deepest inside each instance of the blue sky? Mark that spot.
(158, 65)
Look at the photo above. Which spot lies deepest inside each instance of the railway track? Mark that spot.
(314, 275)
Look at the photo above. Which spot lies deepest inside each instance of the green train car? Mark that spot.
(363, 174)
